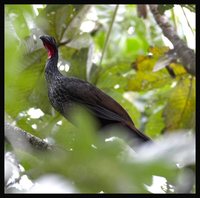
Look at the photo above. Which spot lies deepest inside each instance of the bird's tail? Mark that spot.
(136, 133)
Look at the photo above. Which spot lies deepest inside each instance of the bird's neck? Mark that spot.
(51, 69)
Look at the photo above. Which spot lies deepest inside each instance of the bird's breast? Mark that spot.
(58, 97)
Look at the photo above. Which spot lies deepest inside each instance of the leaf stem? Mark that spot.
(108, 35)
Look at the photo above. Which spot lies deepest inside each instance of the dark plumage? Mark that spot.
(64, 92)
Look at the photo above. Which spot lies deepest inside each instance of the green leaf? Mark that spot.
(29, 90)
(81, 41)
(179, 111)
(64, 134)
(62, 19)
(99, 39)
(86, 129)
(55, 19)
(144, 80)
(18, 16)
(22, 71)
(133, 44)
(113, 75)
(78, 56)
(73, 28)
(191, 7)
(155, 124)
(162, 8)
(78, 63)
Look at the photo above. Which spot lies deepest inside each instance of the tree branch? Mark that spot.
(64, 43)
(24, 140)
(186, 55)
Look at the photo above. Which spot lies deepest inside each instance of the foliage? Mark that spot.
(158, 102)
(162, 8)
(191, 7)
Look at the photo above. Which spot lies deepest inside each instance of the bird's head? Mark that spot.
(50, 44)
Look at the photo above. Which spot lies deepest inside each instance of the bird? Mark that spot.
(64, 92)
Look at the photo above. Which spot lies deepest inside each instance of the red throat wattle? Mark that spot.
(50, 50)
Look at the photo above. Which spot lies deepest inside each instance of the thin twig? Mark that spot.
(64, 43)
(108, 35)
(187, 20)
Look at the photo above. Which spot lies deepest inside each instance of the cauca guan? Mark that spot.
(65, 92)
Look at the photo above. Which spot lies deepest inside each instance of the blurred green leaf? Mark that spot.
(191, 7)
(143, 81)
(97, 169)
(179, 111)
(64, 134)
(162, 8)
(155, 124)
(178, 69)
(145, 78)
(19, 16)
(99, 39)
(73, 28)
(55, 19)
(113, 77)
(78, 63)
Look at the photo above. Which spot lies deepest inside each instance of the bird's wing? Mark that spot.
(100, 103)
